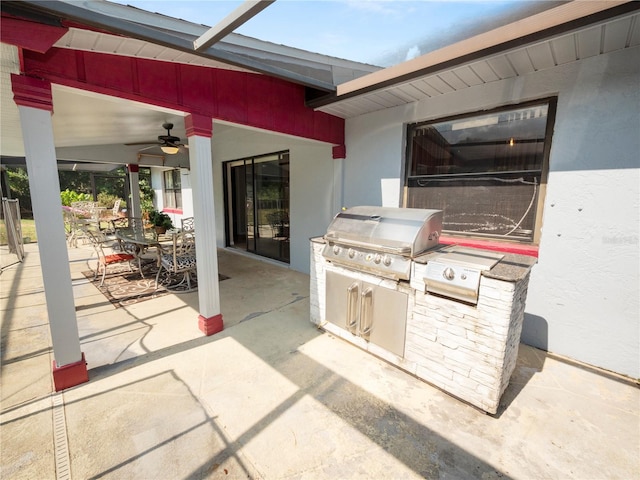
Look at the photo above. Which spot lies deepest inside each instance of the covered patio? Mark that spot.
(48, 66)
(273, 397)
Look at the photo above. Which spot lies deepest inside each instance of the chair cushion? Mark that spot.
(118, 258)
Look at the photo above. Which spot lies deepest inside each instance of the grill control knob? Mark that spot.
(351, 253)
(448, 273)
(336, 250)
(386, 260)
(377, 258)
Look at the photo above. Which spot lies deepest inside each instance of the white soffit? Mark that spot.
(616, 34)
(11, 143)
(91, 41)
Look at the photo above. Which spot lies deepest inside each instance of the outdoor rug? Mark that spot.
(122, 287)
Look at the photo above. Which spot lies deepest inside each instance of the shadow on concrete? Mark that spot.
(530, 362)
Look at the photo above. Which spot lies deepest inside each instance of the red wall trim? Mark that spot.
(200, 125)
(29, 35)
(530, 250)
(339, 152)
(172, 210)
(239, 97)
(32, 92)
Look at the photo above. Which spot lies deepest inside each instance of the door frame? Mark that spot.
(230, 213)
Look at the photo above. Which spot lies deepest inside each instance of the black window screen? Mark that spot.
(172, 189)
(484, 171)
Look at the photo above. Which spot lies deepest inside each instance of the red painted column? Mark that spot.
(199, 132)
(34, 100)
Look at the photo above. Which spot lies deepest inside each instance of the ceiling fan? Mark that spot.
(168, 143)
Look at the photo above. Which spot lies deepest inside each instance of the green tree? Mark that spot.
(19, 186)
(75, 181)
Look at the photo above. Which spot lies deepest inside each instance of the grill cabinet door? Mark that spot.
(377, 314)
(343, 301)
(383, 318)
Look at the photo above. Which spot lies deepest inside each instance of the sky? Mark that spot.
(379, 32)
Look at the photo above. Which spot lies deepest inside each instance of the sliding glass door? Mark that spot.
(257, 205)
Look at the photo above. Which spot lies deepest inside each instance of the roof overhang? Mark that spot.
(383, 88)
(95, 15)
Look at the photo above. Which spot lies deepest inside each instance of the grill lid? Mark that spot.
(404, 231)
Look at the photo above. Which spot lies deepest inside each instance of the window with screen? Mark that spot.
(485, 171)
(172, 189)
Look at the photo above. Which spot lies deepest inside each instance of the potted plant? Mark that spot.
(161, 221)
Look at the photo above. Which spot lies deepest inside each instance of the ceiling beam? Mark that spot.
(239, 16)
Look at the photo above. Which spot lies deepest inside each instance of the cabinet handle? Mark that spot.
(352, 307)
(365, 313)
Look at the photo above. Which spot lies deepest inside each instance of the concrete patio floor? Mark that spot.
(273, 397)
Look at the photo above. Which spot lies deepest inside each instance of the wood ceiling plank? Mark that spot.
(541, 56)
(468, 76)
(589, 42)
(484, 71)
(440, 85)
(615, 35)
(564, 49)
(521, 62)
(501, 66)
(453, 80)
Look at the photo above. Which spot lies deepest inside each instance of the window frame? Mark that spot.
(173, 193)
(410, 128)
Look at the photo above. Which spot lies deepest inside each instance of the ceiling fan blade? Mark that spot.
(149, 147)
(152, 142)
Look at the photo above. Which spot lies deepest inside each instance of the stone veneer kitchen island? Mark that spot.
(469, 351)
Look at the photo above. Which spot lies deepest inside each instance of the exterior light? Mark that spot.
(169, 149)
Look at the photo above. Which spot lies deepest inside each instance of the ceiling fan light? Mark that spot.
(169, 150)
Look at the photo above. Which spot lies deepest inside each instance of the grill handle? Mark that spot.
(355, 243)
(365, 313)
(352, 307)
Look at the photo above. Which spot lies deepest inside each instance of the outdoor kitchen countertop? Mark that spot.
(511, 268)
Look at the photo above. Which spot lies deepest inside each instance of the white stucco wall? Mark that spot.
(311, 183)
(187, 196)
(156, 186)
(583, 299)
(157, 182)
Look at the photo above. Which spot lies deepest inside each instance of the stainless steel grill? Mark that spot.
(381, 240)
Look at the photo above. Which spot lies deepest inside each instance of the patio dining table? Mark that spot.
(139, 240)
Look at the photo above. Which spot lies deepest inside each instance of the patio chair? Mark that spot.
(107, 256)
(78, 218)
(180, 259)
(188, 224)
(118, 223)
(113, 216)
